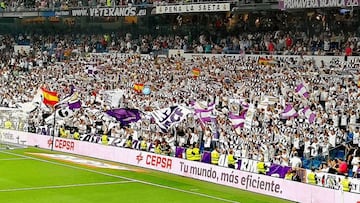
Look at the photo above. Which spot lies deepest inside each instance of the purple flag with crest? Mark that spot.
(278, 169)
(125, 115)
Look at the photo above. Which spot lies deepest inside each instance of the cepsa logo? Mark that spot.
(154, 160)
(62, 144)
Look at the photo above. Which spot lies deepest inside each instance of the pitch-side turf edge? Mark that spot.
(64, 186)
(13, 159)
(122, 177)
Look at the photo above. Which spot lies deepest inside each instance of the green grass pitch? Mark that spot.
(29, 178)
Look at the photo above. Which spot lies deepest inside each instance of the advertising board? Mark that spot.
(262, 184)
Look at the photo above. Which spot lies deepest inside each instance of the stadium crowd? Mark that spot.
(234, 85)
(61, 46)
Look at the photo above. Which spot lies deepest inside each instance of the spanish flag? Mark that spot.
(138, 87)
(49, 98)
(196, 72)
(265, 61)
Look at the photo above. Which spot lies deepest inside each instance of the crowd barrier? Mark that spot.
(243, 164)
(276, 170)
(327, 60)
(318, 59)
(262, 184)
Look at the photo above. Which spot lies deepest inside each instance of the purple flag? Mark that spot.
(289, 112)
(71, 101)
(124, 115)
(310, 115)
(237, 121)
(74, 100)
(206, 157)
(278, 169)
(301, 90)
(179, 152)
(239, 164)
(74, 105)
(203, 111)
(214, 126)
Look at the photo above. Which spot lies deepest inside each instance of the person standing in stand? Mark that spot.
(231, 159)
(311, 177)
(215, 155)
(346, 185)
(261, 168)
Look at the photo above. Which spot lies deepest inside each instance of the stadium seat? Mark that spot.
(306, 163)
(316, 163)
(340, 154)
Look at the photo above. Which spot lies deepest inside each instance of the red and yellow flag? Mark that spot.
(138, 87)
(196, 72)
(49, 98)
(266, 61)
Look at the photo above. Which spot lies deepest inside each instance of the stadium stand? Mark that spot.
(111, 85)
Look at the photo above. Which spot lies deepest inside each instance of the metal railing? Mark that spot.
(322, 157)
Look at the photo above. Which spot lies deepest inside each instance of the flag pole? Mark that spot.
(175, 135)
(53, 131)
(203, 126)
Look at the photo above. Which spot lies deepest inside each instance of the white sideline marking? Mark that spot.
(13, 159)
(126, 178)
(64, 186)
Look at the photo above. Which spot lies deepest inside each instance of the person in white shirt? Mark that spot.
(343, 120)
(284, 158)
(355, 163)
(296, 142)
(325, 148)
(307, 147)
(352, 120)
(314, 148)
(332, 138)
(323, 97)
(295, 161)
(356, 136)
(207, 142)
(335, 119)
(194, 137)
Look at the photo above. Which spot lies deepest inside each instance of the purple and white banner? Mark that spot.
(309, 114)
(302, 90)
(238, 121)
(203, 110)
(289, 112)
(300, 4)
(167, 117)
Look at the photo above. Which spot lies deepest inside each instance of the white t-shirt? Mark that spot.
(207, 142)
(306, 146)
(332, 140)
(352, 119)
(314, 149)
(285, 159)
(355, 162)
(295, 162)
(343, 121)
(325, 149)
(296, 143)
(355, 138)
